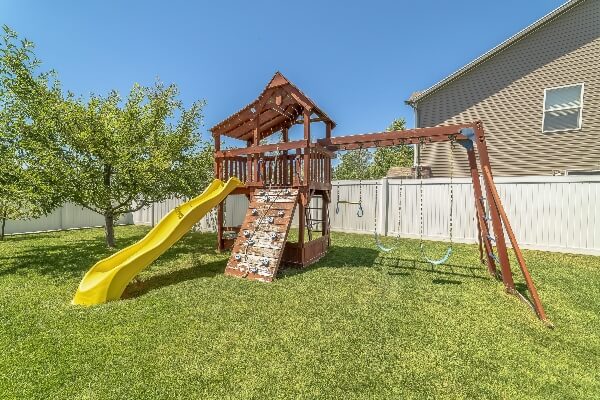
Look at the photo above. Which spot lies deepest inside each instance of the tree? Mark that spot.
(27, 189)
(354, 164)
(120, 159)
(112, 156)
(385, 158)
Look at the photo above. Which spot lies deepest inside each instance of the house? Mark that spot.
(537, 93)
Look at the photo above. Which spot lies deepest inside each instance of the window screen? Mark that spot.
(562, 108)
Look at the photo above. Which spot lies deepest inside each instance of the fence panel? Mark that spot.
(69, 216)
(235, 211)
(547, 213)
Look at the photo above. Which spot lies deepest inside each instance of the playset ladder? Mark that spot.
(257, 251)
(314, 217)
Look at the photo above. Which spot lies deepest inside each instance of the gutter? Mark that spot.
(523, 33)
(416, 155)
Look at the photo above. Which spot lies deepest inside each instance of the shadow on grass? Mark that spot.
(74, 257)
(393, 264)
(198, 270)
(360, 257)
(336, 257)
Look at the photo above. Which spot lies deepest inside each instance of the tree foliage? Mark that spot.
(363, 164)
(113, 155)
(353, 164)
(385, 158)
(28, 189)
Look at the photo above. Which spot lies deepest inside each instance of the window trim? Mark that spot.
(544, 111)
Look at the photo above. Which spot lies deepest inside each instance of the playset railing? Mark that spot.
(292, 166)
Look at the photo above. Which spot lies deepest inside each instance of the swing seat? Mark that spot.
(359, 213)
(381, 246)
(439, 261)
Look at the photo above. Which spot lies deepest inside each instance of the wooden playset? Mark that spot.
(282, 178)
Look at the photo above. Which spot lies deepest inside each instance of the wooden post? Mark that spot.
(218, 163)
(301, 224)
(220, 222)
(285, 162)
(537, 304)
(324, 214)
(496, 221)
(217, 139)
(480, 211)
(249, 173)
(256, 142)
(307, 149)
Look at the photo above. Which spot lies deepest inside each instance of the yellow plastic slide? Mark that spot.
(107, 280)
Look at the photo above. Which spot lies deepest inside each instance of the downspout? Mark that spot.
(417, 124)
(416, 153)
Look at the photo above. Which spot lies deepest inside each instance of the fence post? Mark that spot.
(382, 213)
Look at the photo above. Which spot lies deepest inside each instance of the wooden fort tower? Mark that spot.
(281, 178)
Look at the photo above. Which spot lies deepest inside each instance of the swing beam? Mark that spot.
(472, 137)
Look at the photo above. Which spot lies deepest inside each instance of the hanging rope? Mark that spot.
(448, 253)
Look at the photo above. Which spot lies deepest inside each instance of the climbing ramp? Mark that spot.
(257, 251)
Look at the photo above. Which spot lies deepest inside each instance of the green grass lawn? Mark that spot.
(358, 324)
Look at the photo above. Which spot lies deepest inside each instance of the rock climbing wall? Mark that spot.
(257, 251)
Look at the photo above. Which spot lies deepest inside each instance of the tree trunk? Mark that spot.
(109, 229)
(109, 221)
(2, 230)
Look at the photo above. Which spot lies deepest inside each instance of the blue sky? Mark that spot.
(358, 60)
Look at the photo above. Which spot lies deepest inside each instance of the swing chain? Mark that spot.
(421, 205)
(402, 147)
(376, 210)
(452, 146)
(360, 212)
(337, 203)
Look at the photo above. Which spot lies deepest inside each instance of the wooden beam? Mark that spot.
(248, 126)
(394, 138)
(301, 121)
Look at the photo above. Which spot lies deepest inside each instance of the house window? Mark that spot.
(562, 108)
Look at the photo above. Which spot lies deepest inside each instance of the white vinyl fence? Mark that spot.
(69, 216)
(559, 213)
(235, 210)
(547, 213)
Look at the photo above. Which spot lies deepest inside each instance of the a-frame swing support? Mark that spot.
(471, 136)
(303, 168)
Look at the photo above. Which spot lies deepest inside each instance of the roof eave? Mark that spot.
(413, 100)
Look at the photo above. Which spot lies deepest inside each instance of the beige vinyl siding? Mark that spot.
(506, 92)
